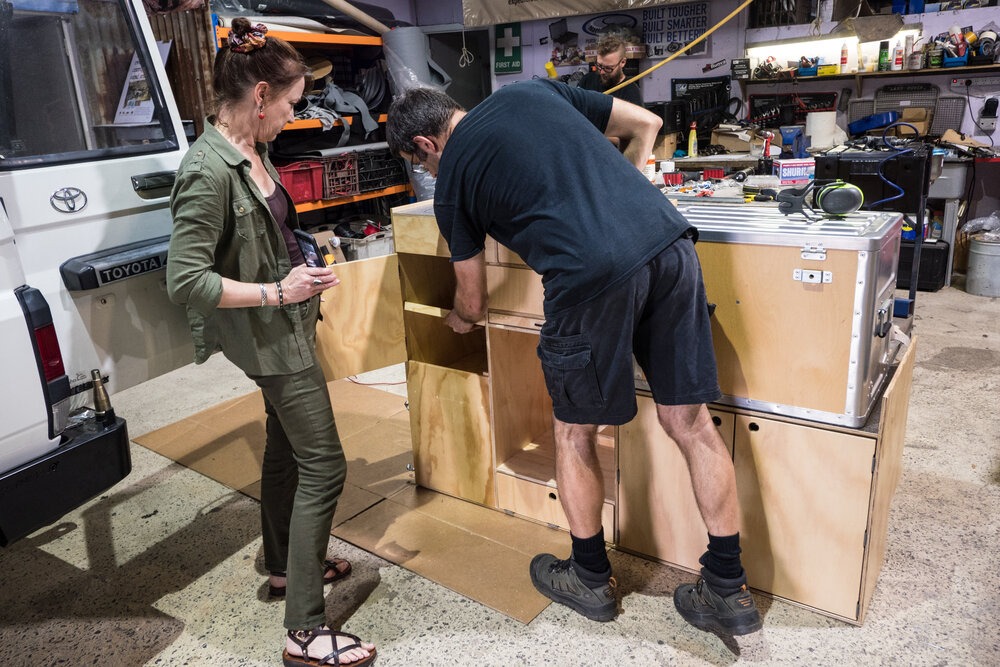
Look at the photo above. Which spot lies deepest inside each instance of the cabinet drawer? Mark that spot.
(415, 230)
(540, 502)
(515, 290)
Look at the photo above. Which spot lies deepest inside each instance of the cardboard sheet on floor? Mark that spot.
(477, 552)
(381, 510)
(226, 442)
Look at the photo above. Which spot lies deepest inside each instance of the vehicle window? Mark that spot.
(76, 84)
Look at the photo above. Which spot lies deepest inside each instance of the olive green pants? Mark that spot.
(302, 476)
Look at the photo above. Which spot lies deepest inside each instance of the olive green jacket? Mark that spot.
(223, 227)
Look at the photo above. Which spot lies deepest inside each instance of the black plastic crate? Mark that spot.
(908, 170)
(933, 264)
(378, 169)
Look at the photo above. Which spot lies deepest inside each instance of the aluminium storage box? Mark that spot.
(803, 316)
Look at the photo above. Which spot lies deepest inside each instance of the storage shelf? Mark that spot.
(859, 77)
(537, 461)
(327, 203)
(315, 123)
(313, 38)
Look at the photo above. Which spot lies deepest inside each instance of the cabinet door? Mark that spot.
(450, 421)
(658, 515)
(362, 325)
(804, 494)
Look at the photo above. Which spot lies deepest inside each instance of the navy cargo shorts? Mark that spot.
(660, 315)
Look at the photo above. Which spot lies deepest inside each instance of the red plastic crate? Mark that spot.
(303, 180)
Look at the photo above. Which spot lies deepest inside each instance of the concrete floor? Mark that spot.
(165, 569)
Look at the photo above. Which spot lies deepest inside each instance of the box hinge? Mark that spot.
(815, 251)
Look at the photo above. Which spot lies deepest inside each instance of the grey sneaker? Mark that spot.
(557, 580)
(702, 607)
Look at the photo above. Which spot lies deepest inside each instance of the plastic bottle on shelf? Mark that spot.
(843, 58)
(650, 169)
(693, 140)
(897, 56)
(883, 56)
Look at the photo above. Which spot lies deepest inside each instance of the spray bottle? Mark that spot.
(693, 140)
(843, 58)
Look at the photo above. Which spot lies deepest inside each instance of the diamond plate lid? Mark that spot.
(735, 223)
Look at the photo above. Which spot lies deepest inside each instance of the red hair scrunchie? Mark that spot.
(252, 39)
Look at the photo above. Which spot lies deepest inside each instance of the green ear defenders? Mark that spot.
(838, 198)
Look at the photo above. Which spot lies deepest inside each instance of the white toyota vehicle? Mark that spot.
(90, 139)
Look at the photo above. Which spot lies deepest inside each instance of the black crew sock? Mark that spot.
(590, 559)
(723, 557)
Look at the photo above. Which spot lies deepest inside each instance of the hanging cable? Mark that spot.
(465, 58)
(898, 152)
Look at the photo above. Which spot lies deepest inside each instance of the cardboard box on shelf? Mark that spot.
(665, 146)
(795, 172)
(734, 141)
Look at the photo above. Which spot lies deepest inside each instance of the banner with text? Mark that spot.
(492, 12)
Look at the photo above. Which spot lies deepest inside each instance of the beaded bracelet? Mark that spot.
(263, 294)
(281, 295)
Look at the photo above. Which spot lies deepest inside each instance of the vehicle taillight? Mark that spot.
(48, 351)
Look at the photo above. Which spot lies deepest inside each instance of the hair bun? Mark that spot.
(244, 38)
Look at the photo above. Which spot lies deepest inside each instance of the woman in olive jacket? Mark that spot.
(234, 264)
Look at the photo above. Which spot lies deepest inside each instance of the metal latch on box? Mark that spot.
(811, 276)
(813, 251)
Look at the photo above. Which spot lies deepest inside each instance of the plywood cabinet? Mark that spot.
(814, 497)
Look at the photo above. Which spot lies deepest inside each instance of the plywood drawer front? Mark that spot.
(515, 290)
(415, 230)
(515, 321)
(540, 502)
(657, 512)
(450, 423)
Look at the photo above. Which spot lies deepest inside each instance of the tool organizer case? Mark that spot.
(803, 316)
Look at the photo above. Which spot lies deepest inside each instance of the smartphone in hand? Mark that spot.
(309, 247)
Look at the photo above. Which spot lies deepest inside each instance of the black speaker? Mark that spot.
(675, 115)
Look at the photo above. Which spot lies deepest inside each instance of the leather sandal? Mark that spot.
(328, 565)
(303, 638)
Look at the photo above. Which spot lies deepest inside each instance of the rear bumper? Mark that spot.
(92, 459)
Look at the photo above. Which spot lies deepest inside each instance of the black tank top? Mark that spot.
(279, 209)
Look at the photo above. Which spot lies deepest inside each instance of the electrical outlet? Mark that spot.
(976, 86)
(987, 125)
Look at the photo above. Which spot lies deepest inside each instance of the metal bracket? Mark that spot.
(811, 276)
(813, 251)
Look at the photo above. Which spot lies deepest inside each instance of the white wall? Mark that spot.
(403, 10)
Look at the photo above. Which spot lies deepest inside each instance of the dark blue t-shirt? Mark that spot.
(530, 167)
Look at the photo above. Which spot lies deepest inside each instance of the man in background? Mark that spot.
(610, 71)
